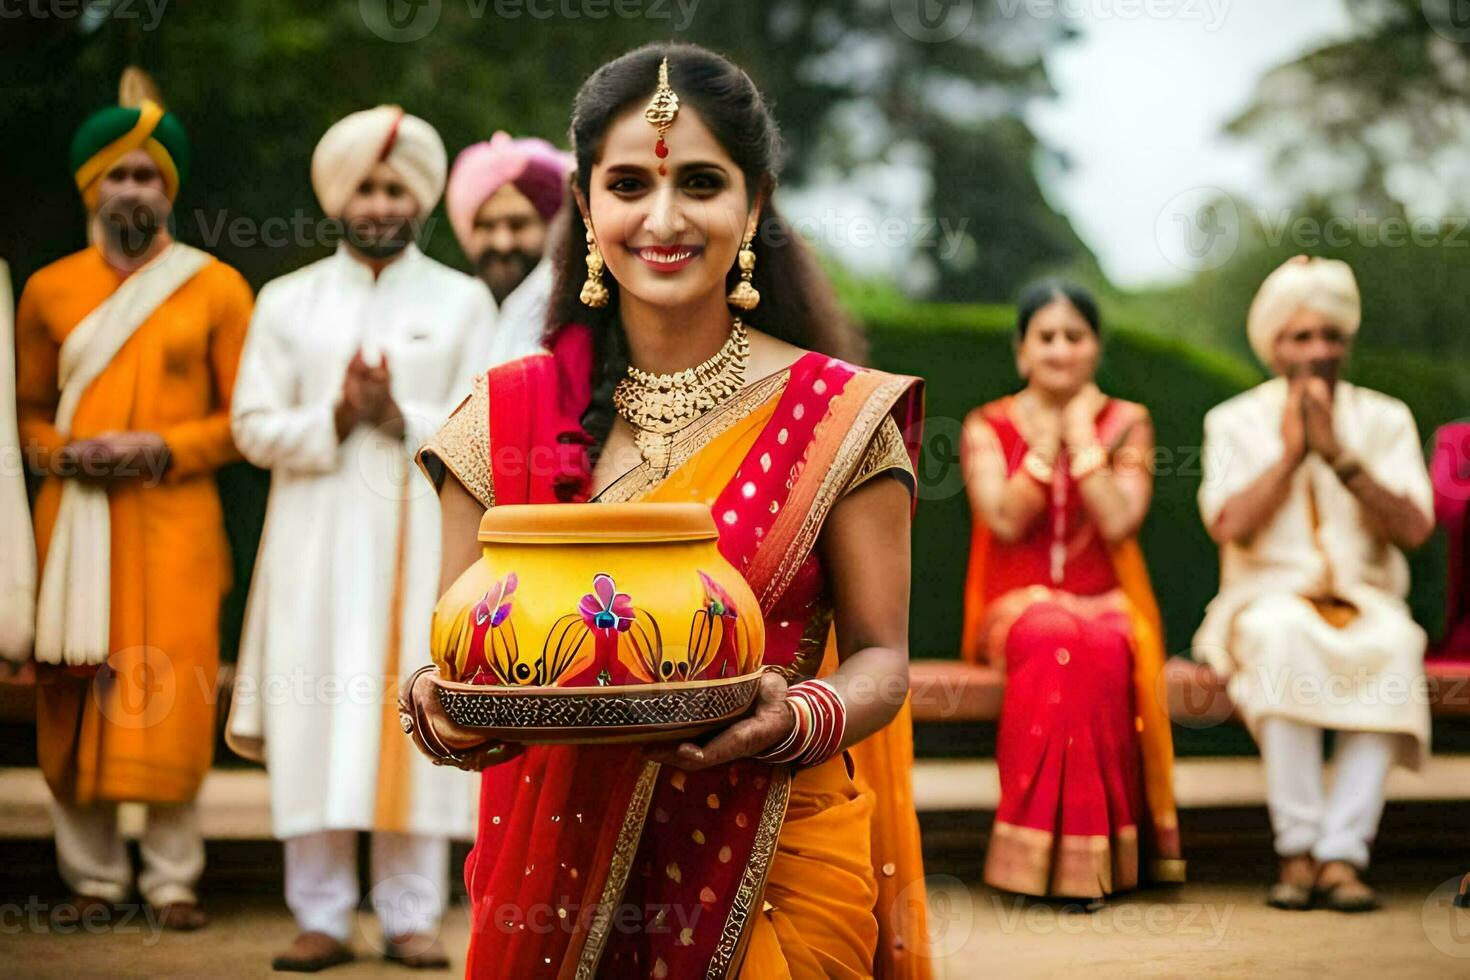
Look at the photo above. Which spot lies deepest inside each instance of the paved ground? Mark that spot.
(1217, 929)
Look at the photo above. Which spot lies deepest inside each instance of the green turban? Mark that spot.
(110, 134)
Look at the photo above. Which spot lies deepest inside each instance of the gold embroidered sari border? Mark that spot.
(877, 404)
(629, 836)
(462, 446)
(730, 950)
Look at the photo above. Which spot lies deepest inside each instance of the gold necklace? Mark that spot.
(658, 405)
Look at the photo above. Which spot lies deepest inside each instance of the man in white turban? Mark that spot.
(351, 363)
(354, 147)
(1313, 488)
(503, 197)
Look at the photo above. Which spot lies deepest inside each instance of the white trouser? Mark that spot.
(93, 857)
(410, 875)
(1342, 826)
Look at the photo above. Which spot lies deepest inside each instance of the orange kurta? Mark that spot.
(143, 727)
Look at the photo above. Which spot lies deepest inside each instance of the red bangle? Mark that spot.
(821, 724)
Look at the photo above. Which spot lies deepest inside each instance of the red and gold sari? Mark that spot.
(592, 861)
(1083, 745)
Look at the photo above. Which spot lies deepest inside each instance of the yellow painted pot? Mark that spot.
(597, 622)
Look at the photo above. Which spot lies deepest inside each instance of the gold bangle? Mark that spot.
(1038, 468)
(1087, 461)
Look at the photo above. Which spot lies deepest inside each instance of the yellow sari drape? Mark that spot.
(826, 904)
(817, 917)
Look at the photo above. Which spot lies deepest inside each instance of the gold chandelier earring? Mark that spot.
(745, 296)
(594, 292)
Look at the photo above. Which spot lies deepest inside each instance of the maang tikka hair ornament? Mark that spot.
(662, 109)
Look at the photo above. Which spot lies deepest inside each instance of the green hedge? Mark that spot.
(964, 353)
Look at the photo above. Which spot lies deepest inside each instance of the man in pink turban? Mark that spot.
(502, 197)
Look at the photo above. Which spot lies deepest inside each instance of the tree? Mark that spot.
(857, 86)
(1377, 123)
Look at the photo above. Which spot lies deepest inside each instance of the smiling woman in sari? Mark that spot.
(1059, 481)
(754, 853)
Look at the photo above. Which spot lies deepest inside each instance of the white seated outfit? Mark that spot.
(1311, 627)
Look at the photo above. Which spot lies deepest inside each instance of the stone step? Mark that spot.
(235, 803)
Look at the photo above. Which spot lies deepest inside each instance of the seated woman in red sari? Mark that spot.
(753, 853)
(1059, 482)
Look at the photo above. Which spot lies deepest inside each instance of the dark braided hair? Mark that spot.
(1037, 295)
(797, 302)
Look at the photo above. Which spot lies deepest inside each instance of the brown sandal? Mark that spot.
(1340, 889)
(1293, 888)
(1290, 896)
(182, 916)
(311, 952)
(417, 952)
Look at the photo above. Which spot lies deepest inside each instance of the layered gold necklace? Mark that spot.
(659, 405)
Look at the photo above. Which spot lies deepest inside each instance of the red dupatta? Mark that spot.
(590, 860)
(1450, 473)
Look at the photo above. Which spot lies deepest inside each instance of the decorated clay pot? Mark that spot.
(597, 622)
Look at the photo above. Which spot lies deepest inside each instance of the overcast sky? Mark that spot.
(1140, 110)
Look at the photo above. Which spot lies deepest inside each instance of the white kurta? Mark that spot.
(1280, 656)
(316, 640)
(521, 319)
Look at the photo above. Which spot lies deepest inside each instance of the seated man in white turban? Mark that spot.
(1313, 487)
(351, 363)
(502, 199)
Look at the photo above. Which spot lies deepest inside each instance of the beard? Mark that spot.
(378, 241)
(504, 271)
(1328, 370)
(130, 225)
